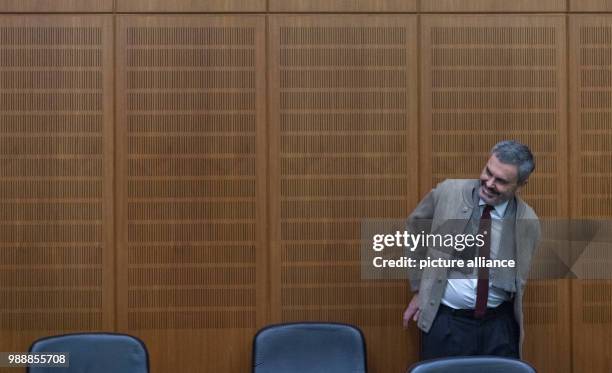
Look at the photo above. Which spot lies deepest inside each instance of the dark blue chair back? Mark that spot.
(309, 348)
(95, 353)
(472, 364)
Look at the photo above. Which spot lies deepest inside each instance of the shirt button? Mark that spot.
(432, 303)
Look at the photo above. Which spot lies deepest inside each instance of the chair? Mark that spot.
(472, 364)
(309, 348)
(95, 353)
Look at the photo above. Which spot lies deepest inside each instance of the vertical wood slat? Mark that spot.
(591, 134)
(191, 6)
(590, 81)
(56, 6)
(590, 5)
(56, 185)
(484, 6)
(191, 202)
(342, 148)
(343, 6)
(486, 78)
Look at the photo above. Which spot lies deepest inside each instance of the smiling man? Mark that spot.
(477, 311)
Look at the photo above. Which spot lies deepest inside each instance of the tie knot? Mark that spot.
(486, 213)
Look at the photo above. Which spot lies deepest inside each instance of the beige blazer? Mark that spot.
(453, 199)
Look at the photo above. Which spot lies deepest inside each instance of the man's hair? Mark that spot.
(514, 153)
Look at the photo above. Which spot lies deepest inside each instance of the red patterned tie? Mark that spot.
(482, 289)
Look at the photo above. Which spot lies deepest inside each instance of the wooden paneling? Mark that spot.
(591, 115)
(590, 5)
(592, 325)
(56, 191)
(343, 131)
(591, 170)
(191, 188)
(477, 6)
(192, 195)
(56, 6)
(191, 6)
(547, 313)
(488, 78)
(343, 5)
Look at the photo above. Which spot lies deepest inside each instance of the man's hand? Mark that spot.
(412, 311)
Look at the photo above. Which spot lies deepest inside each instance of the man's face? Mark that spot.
(498, 181)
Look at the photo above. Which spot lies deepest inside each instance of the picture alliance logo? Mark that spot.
(477, 262)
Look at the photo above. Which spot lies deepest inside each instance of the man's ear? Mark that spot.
(522, 185)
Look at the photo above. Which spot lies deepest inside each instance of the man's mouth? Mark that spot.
(488, 192)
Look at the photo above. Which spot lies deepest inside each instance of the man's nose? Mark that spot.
(490, 183)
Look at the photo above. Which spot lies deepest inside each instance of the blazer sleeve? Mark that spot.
(420, 220)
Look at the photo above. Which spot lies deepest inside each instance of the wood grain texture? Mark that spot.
(590, 5)
(591, 112)
(483, 6)
(547, 338)
(342, 149)
(342, 6)
(487, 78)
(56, 6)
(196, 275)
(191, 203)
(56, 183)
(191, 6)
(591, 145)
(591, 325)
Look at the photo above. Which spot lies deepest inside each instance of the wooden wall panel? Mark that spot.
(56, 6)
(478, 6)
(591, 170)
(343, 5)
(590, 5)
(342, 148)
(488, 78)
(591, 115)
(56, 191)
(591, 325)
(191, 6)
(191, 188)
(547, 314)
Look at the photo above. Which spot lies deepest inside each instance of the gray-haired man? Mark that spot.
(478, 312)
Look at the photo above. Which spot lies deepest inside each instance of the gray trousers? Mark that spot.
(458, 333)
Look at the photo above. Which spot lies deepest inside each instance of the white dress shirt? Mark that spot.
(461, 293)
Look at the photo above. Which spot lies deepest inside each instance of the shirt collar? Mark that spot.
(500, 209)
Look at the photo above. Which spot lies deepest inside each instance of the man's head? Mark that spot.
(506, 171)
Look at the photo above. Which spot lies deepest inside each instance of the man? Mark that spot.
(477, 312)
